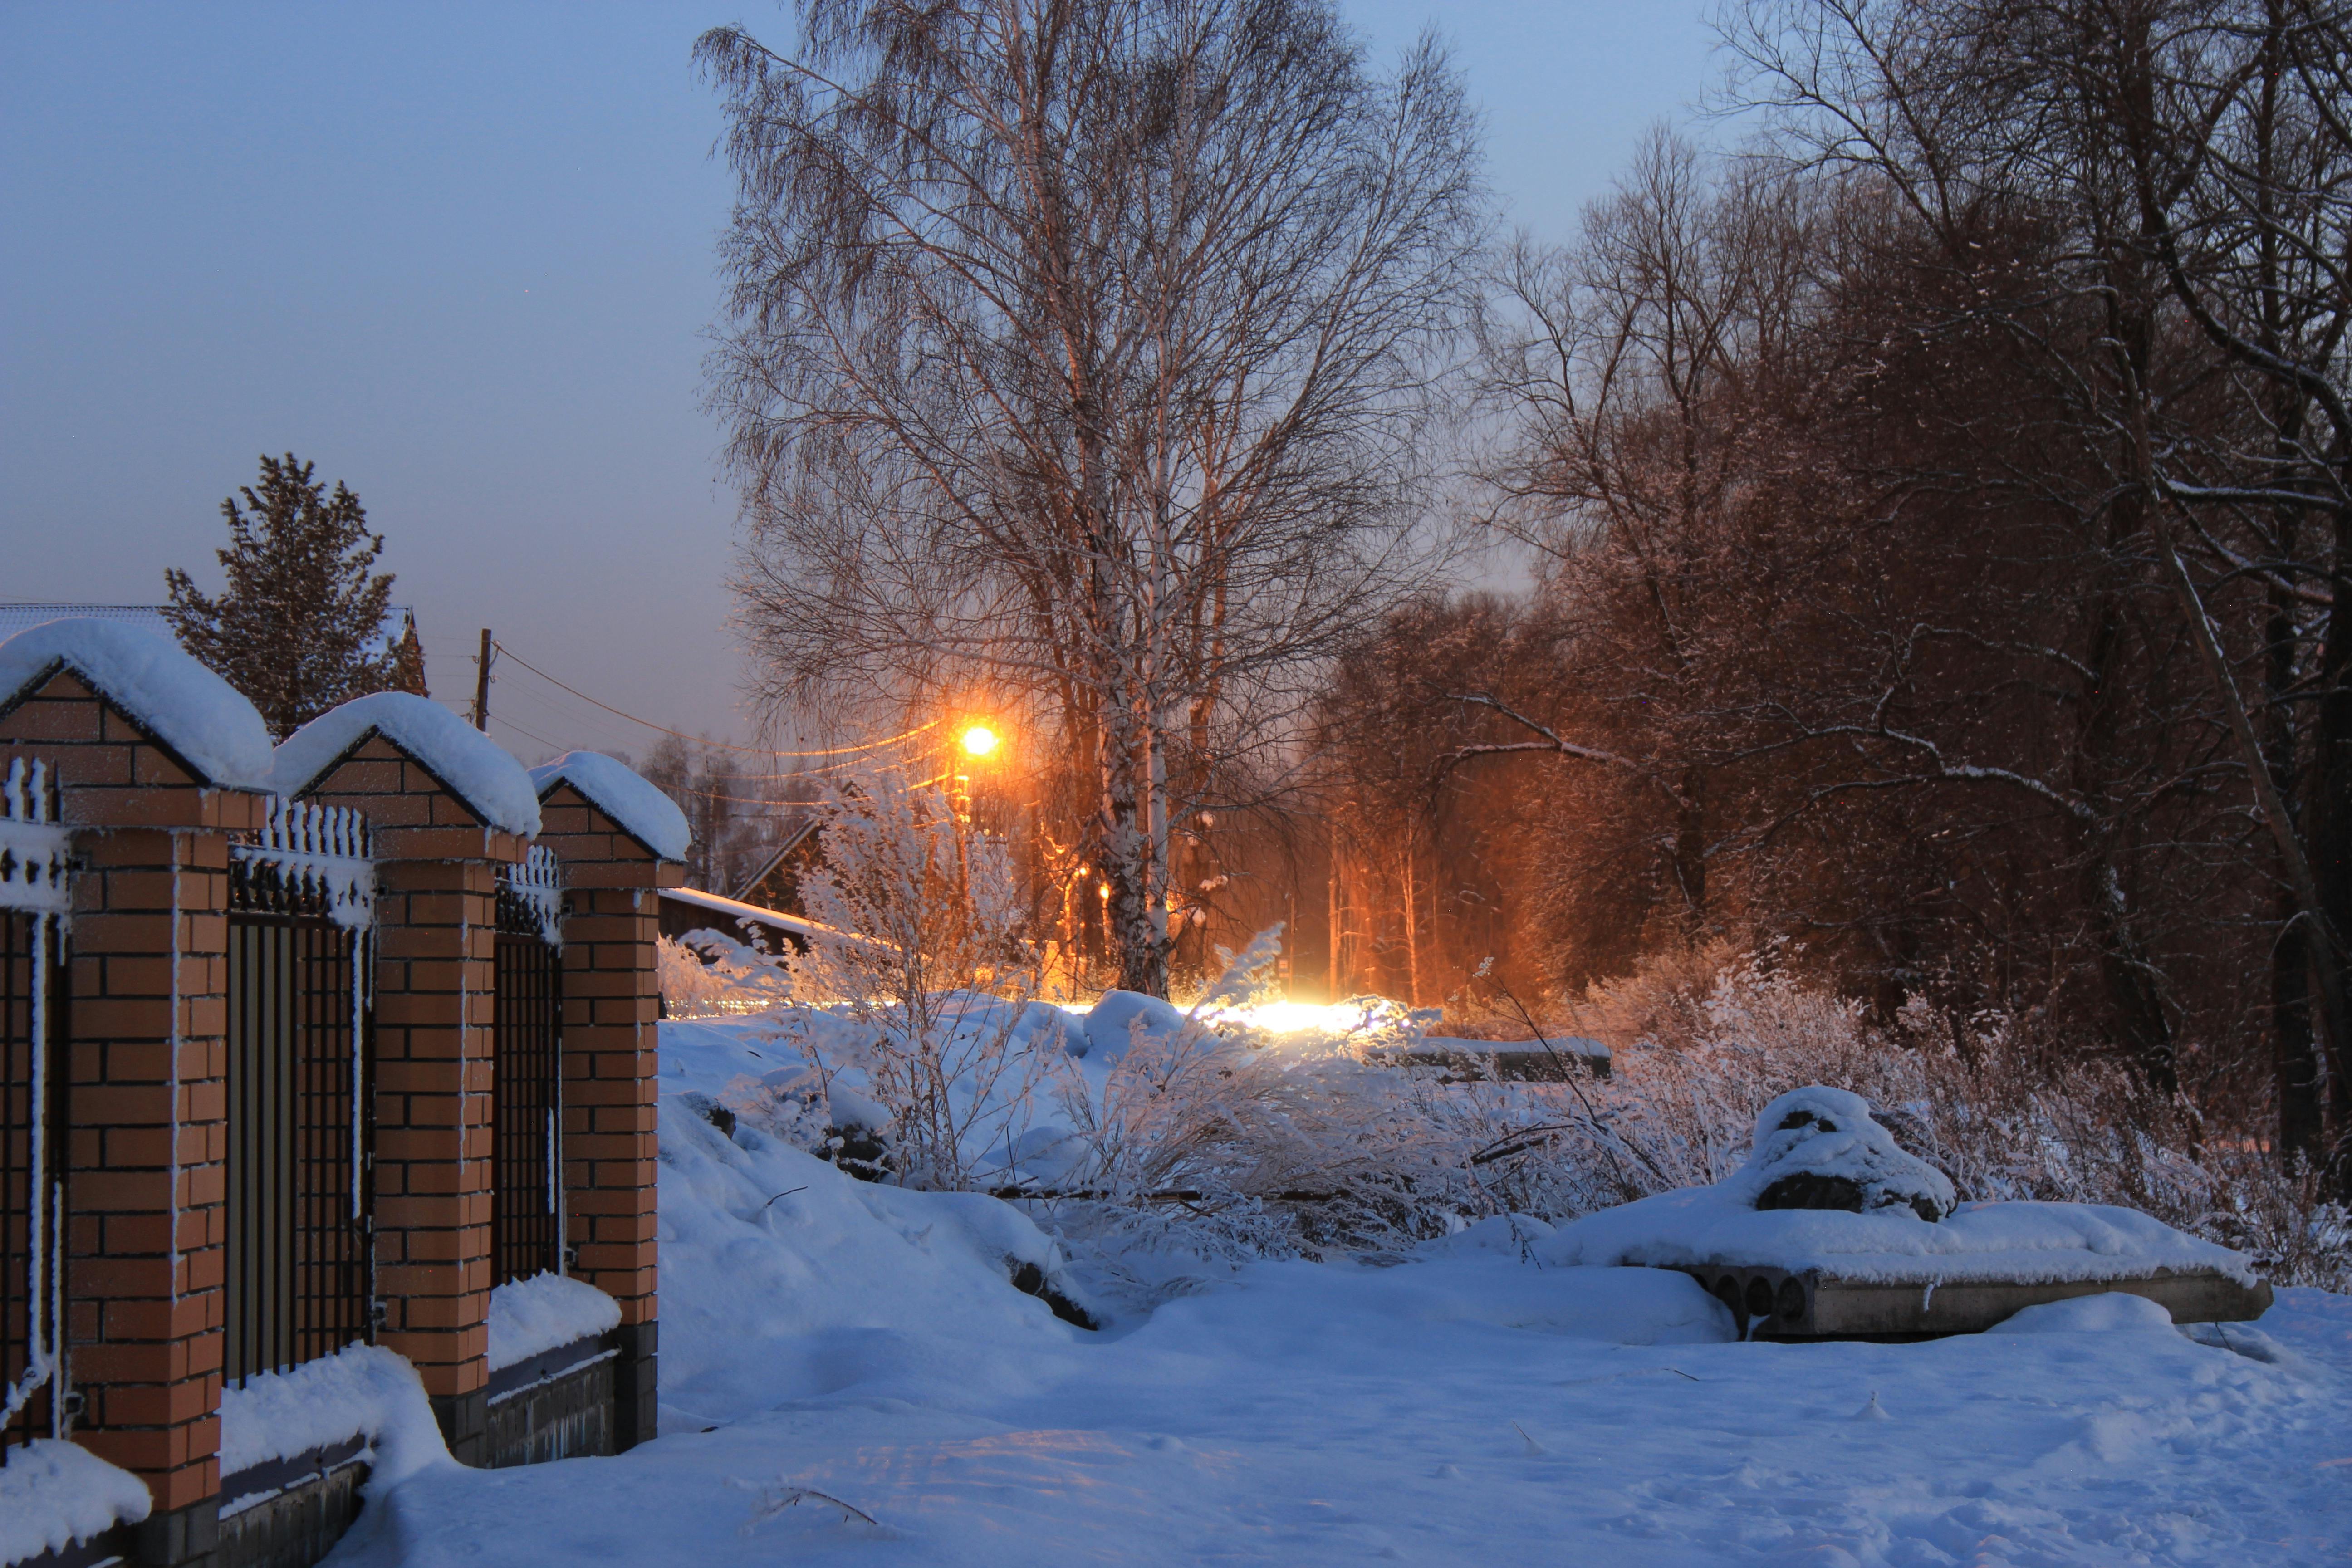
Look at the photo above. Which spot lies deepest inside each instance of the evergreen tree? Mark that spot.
(299, 626)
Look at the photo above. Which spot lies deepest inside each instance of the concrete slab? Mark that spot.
(1776, 1304)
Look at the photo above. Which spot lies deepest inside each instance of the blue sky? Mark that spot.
(461, 255)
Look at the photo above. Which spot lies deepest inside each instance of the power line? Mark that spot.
(526, 735)
(716, 745)
(788, 804)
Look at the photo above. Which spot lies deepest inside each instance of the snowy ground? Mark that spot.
(1462, 1407)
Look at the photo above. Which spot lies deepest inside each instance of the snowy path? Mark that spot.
(1327, 1416)
(863, 1342)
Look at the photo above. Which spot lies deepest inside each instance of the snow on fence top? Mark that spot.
(474, 767)
(319, 852)
(54, 1493)
(33, 846)
(545, 1312)
(649, 817)
(1827, 1189)
(360, 1390)
(202, 719)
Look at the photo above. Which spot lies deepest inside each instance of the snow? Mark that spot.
(476, 768)
(737, 911)
(1469, 1402)
(647, 814)
(54, 1493)
(2106, 1313)
(173, 697)
(1119, 1019)
(545, 1312)
(360, 1390)
(1813, 1141)
(1825, 1133)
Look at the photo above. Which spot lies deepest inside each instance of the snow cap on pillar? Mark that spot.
(191, 712)
(469, 764)
(640, 809)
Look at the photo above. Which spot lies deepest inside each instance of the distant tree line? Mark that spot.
(1937, 511)
(1942, 518)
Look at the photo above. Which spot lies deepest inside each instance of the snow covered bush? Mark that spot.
(1220, 1138)
(707, 974)
(1704, 1042)
(925, 979)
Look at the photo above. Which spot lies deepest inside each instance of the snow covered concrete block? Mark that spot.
(1830, 1230)
(1777, 1304)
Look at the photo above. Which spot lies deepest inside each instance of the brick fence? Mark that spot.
(144, 1043)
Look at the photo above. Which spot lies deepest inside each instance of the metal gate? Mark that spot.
(301, 907)
(527, 1208)
(35, 898)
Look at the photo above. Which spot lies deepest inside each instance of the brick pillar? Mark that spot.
(147, 1061)
(435, 998)
(611, 1001)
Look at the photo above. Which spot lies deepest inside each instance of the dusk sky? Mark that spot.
(461, 256)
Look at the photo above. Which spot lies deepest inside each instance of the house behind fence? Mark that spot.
(327, 1127)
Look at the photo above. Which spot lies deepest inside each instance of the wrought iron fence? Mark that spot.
(35, 894)
(299, 1085)
(527, 1210)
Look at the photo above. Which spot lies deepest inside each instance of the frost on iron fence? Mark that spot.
(301, 907)
(35, 895)
(527, 1086)
(530, 895)
(309, 859)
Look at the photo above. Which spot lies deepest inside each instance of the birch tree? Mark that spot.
(1081, 353)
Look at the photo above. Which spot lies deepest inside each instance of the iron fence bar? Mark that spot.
(36, 897)
(300, 1270)
(526, 1206)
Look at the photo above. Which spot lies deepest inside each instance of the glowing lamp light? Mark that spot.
(980, 741)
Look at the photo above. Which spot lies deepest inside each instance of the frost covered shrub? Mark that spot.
(1223, 1139)
(708, 975)
(1703, 1043)
(1219, 1138)
(921, 961)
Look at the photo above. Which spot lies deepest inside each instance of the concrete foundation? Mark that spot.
(558, 1406)
(1775, 1304)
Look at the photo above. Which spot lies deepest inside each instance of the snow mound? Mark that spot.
(172, 695)
(476, 768)
(54, 1493)
(2103, 1313)
(785, 1278)
(360, 1390)
(1818, 1148)
(547, 1311)
(1119, 1019)
(649, 815)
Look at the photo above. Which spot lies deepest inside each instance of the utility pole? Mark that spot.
(482, 684)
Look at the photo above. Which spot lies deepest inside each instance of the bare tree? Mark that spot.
(1079, 355)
